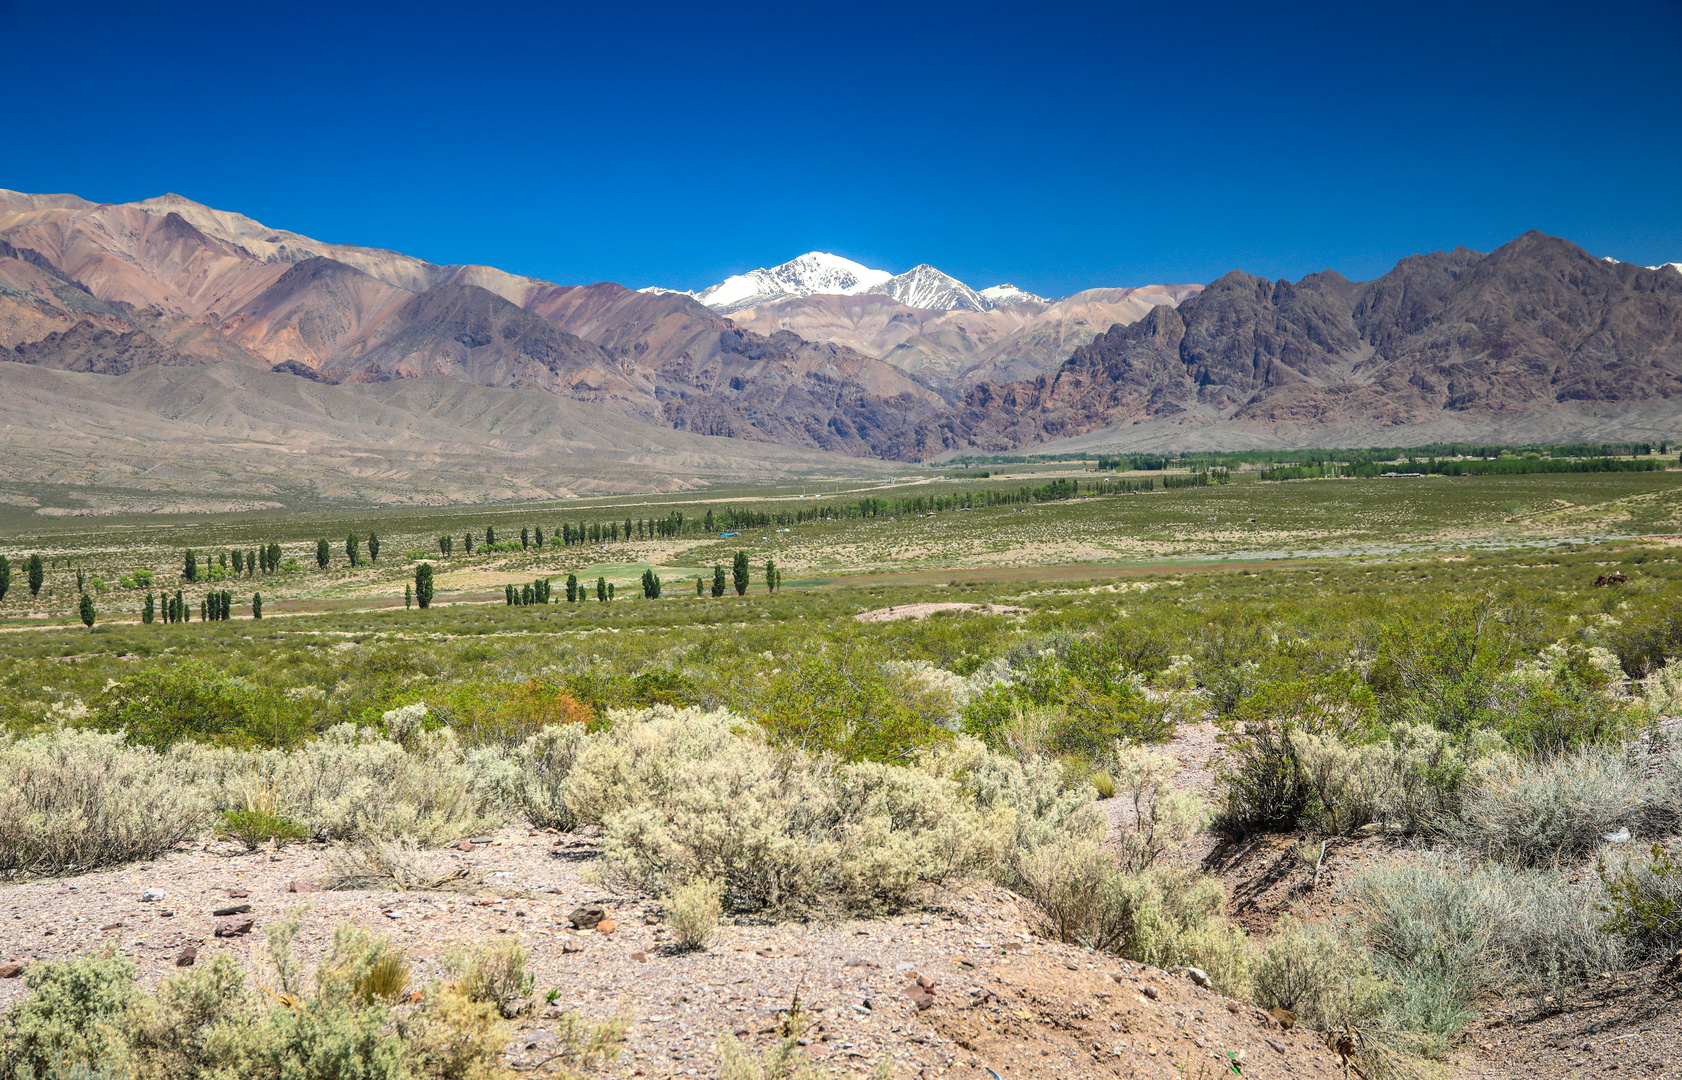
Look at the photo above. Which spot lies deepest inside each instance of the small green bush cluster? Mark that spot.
(353, 1018)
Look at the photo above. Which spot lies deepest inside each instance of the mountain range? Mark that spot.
(126, 304)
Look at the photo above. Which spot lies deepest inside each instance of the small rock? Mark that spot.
(1149, 991)
(237, 909)
(234, 927)
(587, 916)
(186, 956)
(639, 956)
(1199, 976)
(1287, 1019)
(466, 845)
(651, 920)
(152, 896)
(606, 926)
(571, 947)
(859, 961)
(238, 894)
(166, 914)
(302, 886)
(763, 952)
(11, 970)
(480, 840)
(112, 926)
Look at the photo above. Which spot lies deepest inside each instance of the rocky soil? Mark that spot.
(1001, 998)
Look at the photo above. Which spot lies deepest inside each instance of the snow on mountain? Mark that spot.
(818, 273)
(925, 287)
(812, 273)
(1676, 266)
(1008, 294)
(655, 290)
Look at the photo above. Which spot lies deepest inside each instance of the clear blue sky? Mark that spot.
(1058, 146)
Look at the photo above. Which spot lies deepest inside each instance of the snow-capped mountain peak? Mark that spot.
(925, 287)
(812, 273)
(1008, 294)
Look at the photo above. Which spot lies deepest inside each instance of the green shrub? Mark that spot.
(1443, 670)
(71, 1017)
(1644, 639)
(254, 828)
(159, 706)
(494, 974)
(1645, 902)
(842, 698)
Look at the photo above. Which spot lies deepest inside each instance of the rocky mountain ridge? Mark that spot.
(1537, 340)
(1537, 336)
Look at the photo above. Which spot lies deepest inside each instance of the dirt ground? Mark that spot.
(923, 611)
(1003, 998)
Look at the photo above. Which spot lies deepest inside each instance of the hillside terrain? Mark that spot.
(1537, 341)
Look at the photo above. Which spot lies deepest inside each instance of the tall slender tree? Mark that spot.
(739, 573)
(718, 579)
(5, 576)
(525, 538)
(601, 589)
(572, 588)
(408, 596)
(87, 611)
(773, 577)
(490, 535)
(190, 568)
(81, 580)
(467, 543)
(373, 548)
(353, 550)
(239, 562)
(423, 585)
(256, 605)
(539, 537)
(508, 595)
(37, 575)
(323, 553)
(148, 610)
(700, 585)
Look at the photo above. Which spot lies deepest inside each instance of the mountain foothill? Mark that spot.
(819, 357)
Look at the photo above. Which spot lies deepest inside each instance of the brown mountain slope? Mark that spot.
(1537, 337)
(207, 285)
(952, 350)
(239, 431)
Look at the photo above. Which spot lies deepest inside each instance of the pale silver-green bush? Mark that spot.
(353, 783)
(1163, 819)
(542, 765)
(1041, 800)
(1165, 916)
(1548, 811)
(1320, 974)
(686, 794)
(693, 911)
(72, 801)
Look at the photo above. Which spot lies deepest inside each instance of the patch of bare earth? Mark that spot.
(923, 611)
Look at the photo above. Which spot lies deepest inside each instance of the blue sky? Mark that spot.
(1057, 146)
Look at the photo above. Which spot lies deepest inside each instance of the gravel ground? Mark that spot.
(1003, 999)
